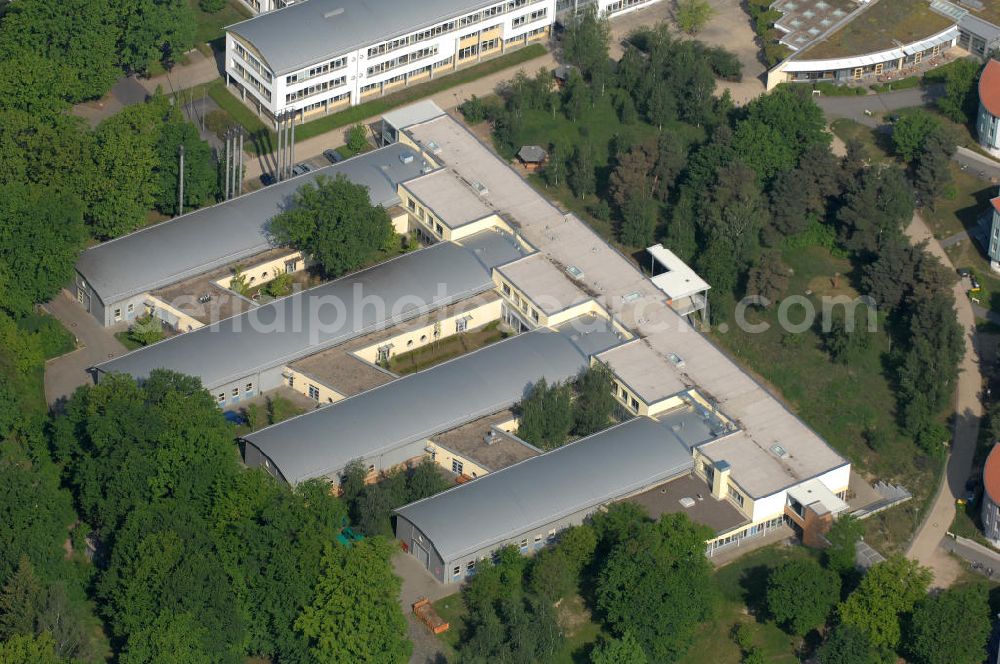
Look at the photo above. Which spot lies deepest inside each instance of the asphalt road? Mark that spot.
(854, 108)
(982, 560)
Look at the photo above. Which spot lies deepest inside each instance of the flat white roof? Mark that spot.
(641, 306)
(544, 283)
(677, 280)
(813, 492)
(645, 372)
(450, 198)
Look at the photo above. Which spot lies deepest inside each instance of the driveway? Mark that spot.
(982, 559)
(125, 92)
(853, 108)
(925, 547)
(66, 373)
(418, 583)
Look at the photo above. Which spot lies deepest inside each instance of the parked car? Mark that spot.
(267, 179)
(964, 272)
(301, 168)
(974, 283)
(333, 155)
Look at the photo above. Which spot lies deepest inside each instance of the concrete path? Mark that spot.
(978, 164)
(925, 546)
(418, 583)
(66, 373)
(983, 559)
(134, 89)
(854, 108)
(954, 239)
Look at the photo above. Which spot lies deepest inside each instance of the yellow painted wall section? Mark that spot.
(261, 273)
(427, 156)
(446, 459)
(301, 383)
(401, 223)
(185, 323)
(424, 335)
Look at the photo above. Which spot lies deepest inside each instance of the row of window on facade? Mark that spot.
(619, 391)
(624, 4)
(234, 394)
(252, 81)
(317, 70)
(754, 530)
(315, 89)
(526, 544)
(445, 27)
(403, 59)
(117, 311)
(521, 302)
(253, 62)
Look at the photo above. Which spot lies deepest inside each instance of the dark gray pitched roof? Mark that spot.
(412, 408)
(533, 493)
(209, 238)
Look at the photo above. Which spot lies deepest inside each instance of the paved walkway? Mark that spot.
(925, 545)
(983, 559)
(418, 583)
(854, 107)
(978, 164)
(66, 373)
(952, 240)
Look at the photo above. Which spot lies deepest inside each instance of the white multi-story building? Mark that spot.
(317, 56)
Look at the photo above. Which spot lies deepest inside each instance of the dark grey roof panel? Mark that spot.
(310, 31)
(534, 493)
(209, 238)
(412, 408)
(304, 323)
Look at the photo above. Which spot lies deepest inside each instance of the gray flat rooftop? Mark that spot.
(545, 284)
(211, 237)
(692, 426)
(532, 494)
(719, 515)
(644, 371)
(313, 320)
(492, 247)
(449, 197)
(469, 441)
(307, 32)
(639, 305)
(420, 405)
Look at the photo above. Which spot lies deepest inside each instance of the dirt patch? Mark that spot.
(572, 615)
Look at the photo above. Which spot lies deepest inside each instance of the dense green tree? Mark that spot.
(79, 37)
(625, 650)
(876, 211)
(201, 182)
(801, 594)
(911, 130)
(20, 601)
(333, 220)
(761, 147)
(846, 338)
(638, 225)
(582, 177)
(169, 639)
(849, 645)
(34, 84)
(51, 224)
(586, 40)
(887, 592)
(146, 330)
(657, 585)
(932, 169)
(546, 414)
(576, 96)
(594, 403)
(355, 614)
(357, 138)
(211, 6)
(21, 648)
(692, 16)
(793, 114)
(555, 167)
(154, 31)
(951, 627)
(768, 278)
(960, 101)
(555, 572)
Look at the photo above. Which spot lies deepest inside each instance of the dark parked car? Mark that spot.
(333, 156)
(301, 168)
(267, 179)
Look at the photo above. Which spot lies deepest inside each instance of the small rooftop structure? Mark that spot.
(452, 199)
(531, 154)
(545, 284)
(802, 21)
(682, 285)
(529, 496)
(814, 494)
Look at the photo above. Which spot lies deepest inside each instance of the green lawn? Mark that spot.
(961, 209)
(827, 395)
(876, 144)
(211, 25)
(445, 349)
(127, 341)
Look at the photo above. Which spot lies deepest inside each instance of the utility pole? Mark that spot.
(279, 163)
(239, 172)
(291, 159)
(228, 164)
(180, 183)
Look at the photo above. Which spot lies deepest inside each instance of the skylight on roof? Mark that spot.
(779, 451)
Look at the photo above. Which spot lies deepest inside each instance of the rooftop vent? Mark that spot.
(575, 272)
(334, 12)
(632, 297)
(779, 451)
(480, 188)
(433, 147)
(406, 157)
(677, 360)
(490, 437)
(686, 502)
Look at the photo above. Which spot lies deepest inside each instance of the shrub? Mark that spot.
(146, 330)
(211, 6)
(725, 64)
